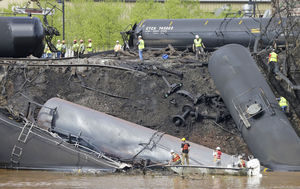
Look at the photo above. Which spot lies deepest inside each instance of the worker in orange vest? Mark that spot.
(176, 160)
(217, 156)
(185, 149)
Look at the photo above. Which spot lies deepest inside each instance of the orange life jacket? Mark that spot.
(218, 154)
(176, 158)
(185, 147)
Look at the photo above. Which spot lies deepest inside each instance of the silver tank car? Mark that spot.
(115, 137)
(180, 33)
(253, 106)
(21, 37)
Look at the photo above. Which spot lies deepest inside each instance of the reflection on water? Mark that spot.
(43, 179)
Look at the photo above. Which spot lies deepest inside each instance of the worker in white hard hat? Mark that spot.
(198, 46)
(117, 48)
(175, 160)
(217, 156)
(141, 46)
(185, 149)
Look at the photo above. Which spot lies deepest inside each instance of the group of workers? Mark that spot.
(184, 159)
(79, 49)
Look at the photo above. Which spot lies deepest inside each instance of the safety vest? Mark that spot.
(63, 48)
(242, 163)
(141, 45)
(283, 102)
(273, 57)
(218, 154)
(59, 46)
(198, 43)
(82, 48)
(90, 47)
(176, 157)
(75, 47)
(117, 47)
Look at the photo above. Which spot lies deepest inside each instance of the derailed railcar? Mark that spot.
(253, 106)
(180, 33)
(21, 37)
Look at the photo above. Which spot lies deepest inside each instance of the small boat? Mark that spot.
(201, 169)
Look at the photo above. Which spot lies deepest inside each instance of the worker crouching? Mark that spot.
(175, 160)
(283, 103)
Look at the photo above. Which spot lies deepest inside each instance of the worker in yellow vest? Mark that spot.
(75, 48)
(198, 46)
(89, 47)
(283, 103)
(58, 47)
(141, 46)
(81, 48)
(273, 62)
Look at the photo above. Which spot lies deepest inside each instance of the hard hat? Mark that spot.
(197, 36)
(172, 151)
(117, 41)
(81, 41)
(75, 40)
(58, 41)
(183, 139)
(140, 36)
(90, 40)
(218, 148)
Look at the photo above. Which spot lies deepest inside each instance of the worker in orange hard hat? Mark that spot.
(75, 48)
(89, 47)
(81, 48)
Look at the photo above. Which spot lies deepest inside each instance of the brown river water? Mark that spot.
(44, 179)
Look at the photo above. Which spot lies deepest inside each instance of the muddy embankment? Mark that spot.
(134, 92)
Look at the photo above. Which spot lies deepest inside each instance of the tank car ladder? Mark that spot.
(23, 136)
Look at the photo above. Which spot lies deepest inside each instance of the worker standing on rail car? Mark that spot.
(185, 149)
(81, 48)
(117, 48)
(198, 46)
(283, 103)
(141, 46)
(175, 160)
(89, 48)
(217, 156)
(63, 49)
(273, 62)
(75, 48)
(58, 47)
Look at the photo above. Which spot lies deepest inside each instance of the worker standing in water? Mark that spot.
(175, 160)
(283, 103)
(198, 46)
(185, 149)
(141, 46)
(273, 62)
(217, 156)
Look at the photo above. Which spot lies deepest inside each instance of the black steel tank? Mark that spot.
(180, 33)
(21, 37)
(254, 108)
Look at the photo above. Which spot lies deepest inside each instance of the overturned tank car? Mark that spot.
(180, 33)
(119, 139)
(21, 37)
(253, 106)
